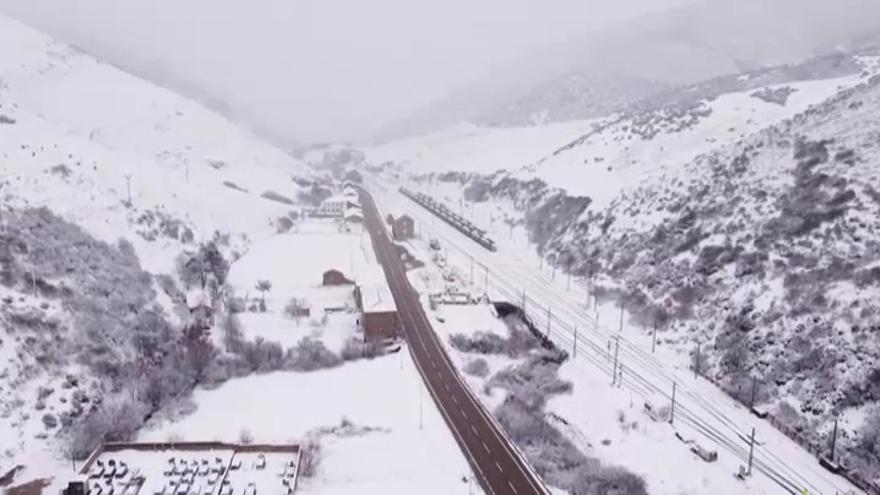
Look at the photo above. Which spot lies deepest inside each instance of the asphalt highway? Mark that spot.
(497, 465)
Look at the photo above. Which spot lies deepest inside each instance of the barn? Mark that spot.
(334, 278)
(379, 320)
(403, 228)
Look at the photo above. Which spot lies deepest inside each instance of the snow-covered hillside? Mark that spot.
(132, 222)
(471, 148)
(759, 245)
(122, 159)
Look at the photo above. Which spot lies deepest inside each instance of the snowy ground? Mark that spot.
(295, 263)
(411, 450)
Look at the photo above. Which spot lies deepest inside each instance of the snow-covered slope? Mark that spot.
(469, 148)
(123, 159)
(761, 247)
(627, 148)
(82, 127)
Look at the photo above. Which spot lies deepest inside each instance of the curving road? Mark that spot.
(498, 466)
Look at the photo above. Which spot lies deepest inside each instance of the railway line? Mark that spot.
(701, 407)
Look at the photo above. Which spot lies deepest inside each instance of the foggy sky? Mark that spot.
(311, 70)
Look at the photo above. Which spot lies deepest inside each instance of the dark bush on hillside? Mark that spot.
(278, 198)
(207, 264)
(261, 355)
(283, 224)
(477, 367)
(117, 420)
(517, 344)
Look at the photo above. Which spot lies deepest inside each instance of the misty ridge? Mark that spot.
(452, 74)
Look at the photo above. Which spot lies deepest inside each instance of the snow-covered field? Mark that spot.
(294, 263)
(409, 448)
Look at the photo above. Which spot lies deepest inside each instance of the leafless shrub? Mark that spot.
(477, 367)
(310, 355)
(310, 455)
(355, 348)
(245, 437)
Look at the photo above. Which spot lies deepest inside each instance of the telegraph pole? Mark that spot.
(616, 351)
(751, 452)
(549, 316)
(697, 364)
(754, 390)
(834, 439)
(622, 303)
(575, 350)
(654, 337)
(672, 414)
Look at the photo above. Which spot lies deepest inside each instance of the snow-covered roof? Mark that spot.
(375, 293)
(354, 211)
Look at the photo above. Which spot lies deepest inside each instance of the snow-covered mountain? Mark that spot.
(740, 214)
(89, 156)
(643, 56)
(573, 97)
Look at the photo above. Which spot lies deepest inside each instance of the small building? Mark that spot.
(403, 228)
(379, 320)
(337, 206)
(334, 277)
(354, 215)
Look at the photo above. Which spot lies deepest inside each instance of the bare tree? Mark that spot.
(263, 286)
(296, 308)
(128, 187)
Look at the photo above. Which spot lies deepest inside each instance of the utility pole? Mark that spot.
(574, 352)
(751, 452)
(549, 316)
(834, 440)
(754, 390)
(128, 187)
(622, 303)
(672, 414)
(616, 351)
(654, 337)
(697, 364)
